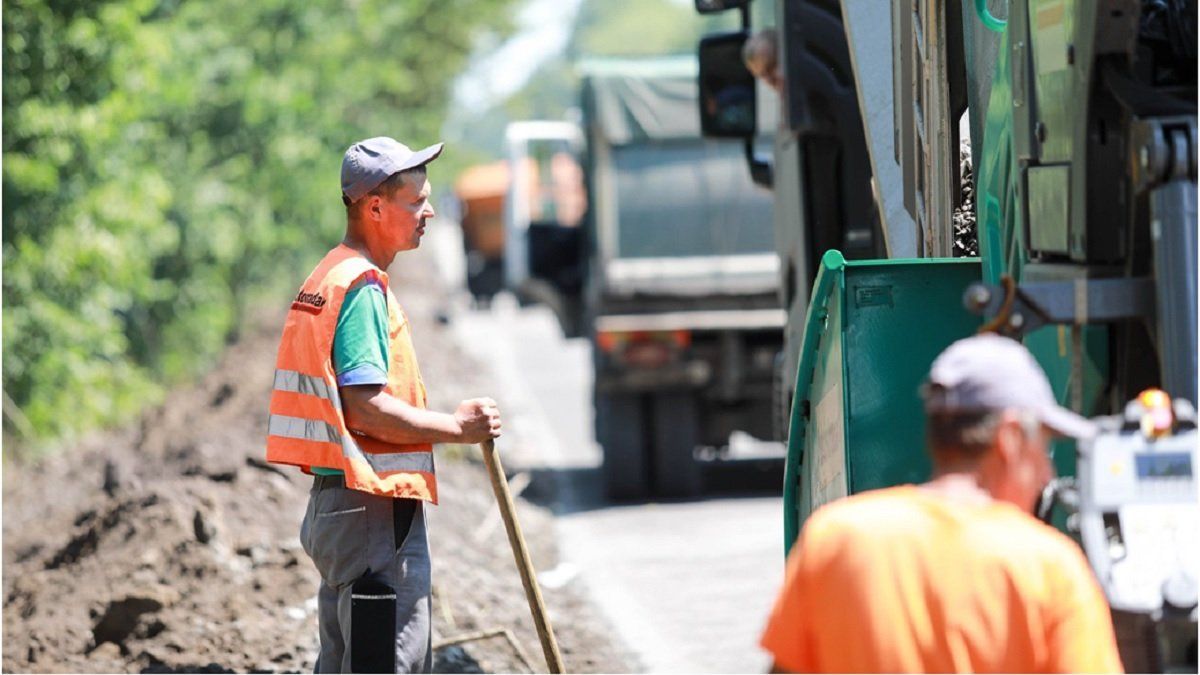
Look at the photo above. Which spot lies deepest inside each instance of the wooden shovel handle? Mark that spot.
(521, 553)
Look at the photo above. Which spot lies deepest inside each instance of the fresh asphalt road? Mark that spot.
(687, 585)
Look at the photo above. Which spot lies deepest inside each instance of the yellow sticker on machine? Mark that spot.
(1050, 36)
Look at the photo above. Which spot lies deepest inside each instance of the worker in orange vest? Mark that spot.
(349, 407)
(954, 575)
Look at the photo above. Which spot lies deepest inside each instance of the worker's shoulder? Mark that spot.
(867, 508)
(342, 265)
(356, 268)
(902, 508)
(368, 279)
(1036, 537)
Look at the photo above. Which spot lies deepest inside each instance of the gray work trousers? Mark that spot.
(368, 550)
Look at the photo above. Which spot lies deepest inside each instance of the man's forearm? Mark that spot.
(389, 419)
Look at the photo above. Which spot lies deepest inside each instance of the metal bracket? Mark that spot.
(1163, 151)
(1016, 310)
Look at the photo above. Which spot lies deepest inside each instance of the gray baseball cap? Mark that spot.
(368, 163)
(991, 372)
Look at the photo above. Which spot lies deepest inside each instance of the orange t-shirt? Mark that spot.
(902, 580)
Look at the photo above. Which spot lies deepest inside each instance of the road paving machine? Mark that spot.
(1027, 167)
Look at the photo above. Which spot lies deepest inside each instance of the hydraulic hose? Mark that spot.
(986, 18)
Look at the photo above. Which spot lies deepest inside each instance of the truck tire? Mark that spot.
(620, 422)
(675, 430)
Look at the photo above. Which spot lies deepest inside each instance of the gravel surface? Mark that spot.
(170, 546)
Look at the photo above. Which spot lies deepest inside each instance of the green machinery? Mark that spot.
(1079, 117)
(869, 340)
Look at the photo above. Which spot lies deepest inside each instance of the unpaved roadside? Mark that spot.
(170, 547)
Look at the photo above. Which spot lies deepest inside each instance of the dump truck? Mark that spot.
(672, 278)
(520, 218)
(649, 240)
(543, 213)
(481, 190)
(1081, 123)
(682, 298)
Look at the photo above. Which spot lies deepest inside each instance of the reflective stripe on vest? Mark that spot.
(323, 432)
(294, 381)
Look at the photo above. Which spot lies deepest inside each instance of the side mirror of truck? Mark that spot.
(728, 108)
(715, 6)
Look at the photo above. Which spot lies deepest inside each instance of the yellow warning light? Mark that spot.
(1157, 417)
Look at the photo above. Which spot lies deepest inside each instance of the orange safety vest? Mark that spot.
(307, 427)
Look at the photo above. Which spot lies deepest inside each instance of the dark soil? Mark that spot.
(171, 546)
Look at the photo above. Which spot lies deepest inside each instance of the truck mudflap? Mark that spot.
(872, 330)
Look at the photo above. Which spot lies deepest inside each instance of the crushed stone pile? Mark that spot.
(966, 232)
(171, 546)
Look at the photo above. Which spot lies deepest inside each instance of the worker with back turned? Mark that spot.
(956, 574)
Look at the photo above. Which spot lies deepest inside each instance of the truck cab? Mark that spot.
(543, 213)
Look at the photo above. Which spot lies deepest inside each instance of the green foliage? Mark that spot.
(617, 28)
(164, 160)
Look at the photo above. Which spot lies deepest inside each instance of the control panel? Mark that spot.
(1137, 513)
(1140, 524)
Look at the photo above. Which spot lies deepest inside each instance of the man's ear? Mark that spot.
(374, 207)
(1010, 436)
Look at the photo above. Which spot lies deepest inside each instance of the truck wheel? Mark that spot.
(619, 430)
(675, 432)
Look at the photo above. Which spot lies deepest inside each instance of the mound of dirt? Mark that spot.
(171, 546)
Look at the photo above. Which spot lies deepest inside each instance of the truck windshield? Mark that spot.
(689, 198)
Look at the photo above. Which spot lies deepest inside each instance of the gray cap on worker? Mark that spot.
(368, 163)
(991, 372)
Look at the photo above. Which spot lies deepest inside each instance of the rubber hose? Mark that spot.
(985, 17)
